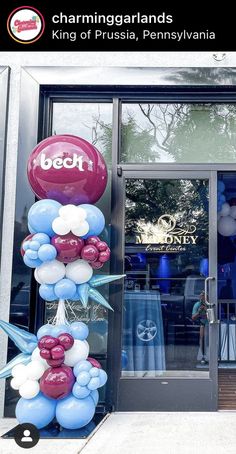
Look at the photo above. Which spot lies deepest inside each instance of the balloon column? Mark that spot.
(226, 213)
(53, 373)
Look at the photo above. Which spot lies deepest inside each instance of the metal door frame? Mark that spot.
(184, 394)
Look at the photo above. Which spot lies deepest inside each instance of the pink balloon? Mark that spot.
(96, 265)
(104, 256)
(57, 382)
(92, 240)
(68, 169)
(89, 253)
(68, 247)
(94, 362)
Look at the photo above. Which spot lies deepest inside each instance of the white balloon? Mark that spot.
(36, 357)
(51, 272)
(60, 227)
(75, 222)
(67, 212)
(29, 389)
(79, 271)
(36, 276)
(19, 372)
(81, 230)
(218, 216)
(78, 352)
(35, 370)
(233, 211)
(227, 226)
(14, 383)
(225, 210)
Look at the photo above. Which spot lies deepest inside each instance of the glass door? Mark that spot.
(169, 348)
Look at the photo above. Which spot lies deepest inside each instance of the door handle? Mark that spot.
(210, 311)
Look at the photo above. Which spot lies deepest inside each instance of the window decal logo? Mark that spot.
(25, 25)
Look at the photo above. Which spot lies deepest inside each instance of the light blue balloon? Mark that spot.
(95, 219)
(80, 391)
(79, 330)
(34, 245)
(47, 252)
(65, 289)
(25, 341)
(31, 263)
(42, 214)
(82, 366)
(95, 396)
(94, 372)
(26, 245)
(45, 330)
(83, 378)
(94, 383)
(102, 378)
(32, 255)
(46, 292)
(42, 238)
(73, 413)
(60, 329)
(75, 297)
(30, 228)
(39, 411)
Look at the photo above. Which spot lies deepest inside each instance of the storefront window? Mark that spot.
(197, 133)
(166, 263)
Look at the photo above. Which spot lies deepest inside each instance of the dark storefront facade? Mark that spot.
(168, 137)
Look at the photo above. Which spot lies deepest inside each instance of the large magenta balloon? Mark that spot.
(68, 247)
(57, 382)
(68, 169)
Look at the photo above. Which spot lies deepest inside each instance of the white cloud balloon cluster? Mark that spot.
(25, 378)
(71, 219)
(227, 220)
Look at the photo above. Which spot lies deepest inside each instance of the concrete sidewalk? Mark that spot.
(145, 433)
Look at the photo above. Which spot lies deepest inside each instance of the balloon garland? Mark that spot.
(226, 212)
(54, 374)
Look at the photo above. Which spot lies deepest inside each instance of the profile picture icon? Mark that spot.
(25, 24)
(26, 435)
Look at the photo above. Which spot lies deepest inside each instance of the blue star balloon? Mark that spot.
(88, 290)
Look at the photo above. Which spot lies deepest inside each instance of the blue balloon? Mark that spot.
(34, 245)
(124, 359)
(102, 377)
(42, 238)
(39, 411)
(30, 262)
(82, 366)
(222, 198)
(60, 329)
(80, 391)
(26, 245)
(42, 214)
(46, 292)
(95, 219)
(30, 228)
(220, 186)
(72, 413)
(95, 396)
(76, 297)
(94, 383)
(25, 341)
(94, 372)
(79, 330)
(65, 289)
(83, 378)
(47, 252)
(45, 330)
(30, 254)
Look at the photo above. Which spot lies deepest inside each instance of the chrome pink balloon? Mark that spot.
(68, 247)
(57, 382)
(68, 169)
(94, 362)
